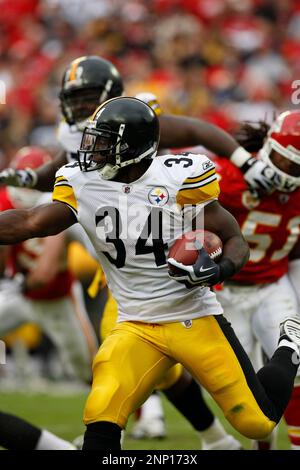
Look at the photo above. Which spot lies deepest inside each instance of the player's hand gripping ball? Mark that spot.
(192, 258)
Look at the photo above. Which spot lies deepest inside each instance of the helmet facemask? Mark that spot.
(107, 151)
(281, 151)
(285, 181)
(101, 150)
(87, 82)
(79, 104)
(122, 132)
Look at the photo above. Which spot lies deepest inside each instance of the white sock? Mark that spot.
(214, 433)
(122, 438)
(49, 441)
(152, 408)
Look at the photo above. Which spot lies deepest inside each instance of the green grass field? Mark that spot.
(62, 414)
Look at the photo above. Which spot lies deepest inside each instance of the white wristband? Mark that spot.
(240, 156)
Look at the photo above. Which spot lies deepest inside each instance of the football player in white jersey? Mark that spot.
(124, 197)
(178, 385)
(87, 82)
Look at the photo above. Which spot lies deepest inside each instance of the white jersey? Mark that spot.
(132, 226)
(69, 138)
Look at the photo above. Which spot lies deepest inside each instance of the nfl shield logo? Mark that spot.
(126, 189)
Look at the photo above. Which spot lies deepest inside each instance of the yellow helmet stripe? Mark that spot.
(74, 66)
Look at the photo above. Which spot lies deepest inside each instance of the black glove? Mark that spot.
(205, 272)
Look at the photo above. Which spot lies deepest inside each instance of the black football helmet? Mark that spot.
(88, 82)
(121, 132)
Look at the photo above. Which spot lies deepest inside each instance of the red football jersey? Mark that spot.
(271, 225)
(22, 258)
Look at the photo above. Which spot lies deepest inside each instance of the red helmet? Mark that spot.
(284, 138)
(30, 157)
(27, 157)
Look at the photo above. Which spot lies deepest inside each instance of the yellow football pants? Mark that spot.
(136, 356)
(109, 316)
(109, 320)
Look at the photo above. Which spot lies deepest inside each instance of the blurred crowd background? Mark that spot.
(222, 60)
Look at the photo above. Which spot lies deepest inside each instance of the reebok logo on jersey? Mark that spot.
(187, 323)
(207, 164)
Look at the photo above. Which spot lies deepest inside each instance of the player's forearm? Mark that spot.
(215, 139)
(189, 131)
(14, 226)
(46, 177)
(237, 251)
(46, 173)
(235, 248)
(17, 225)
